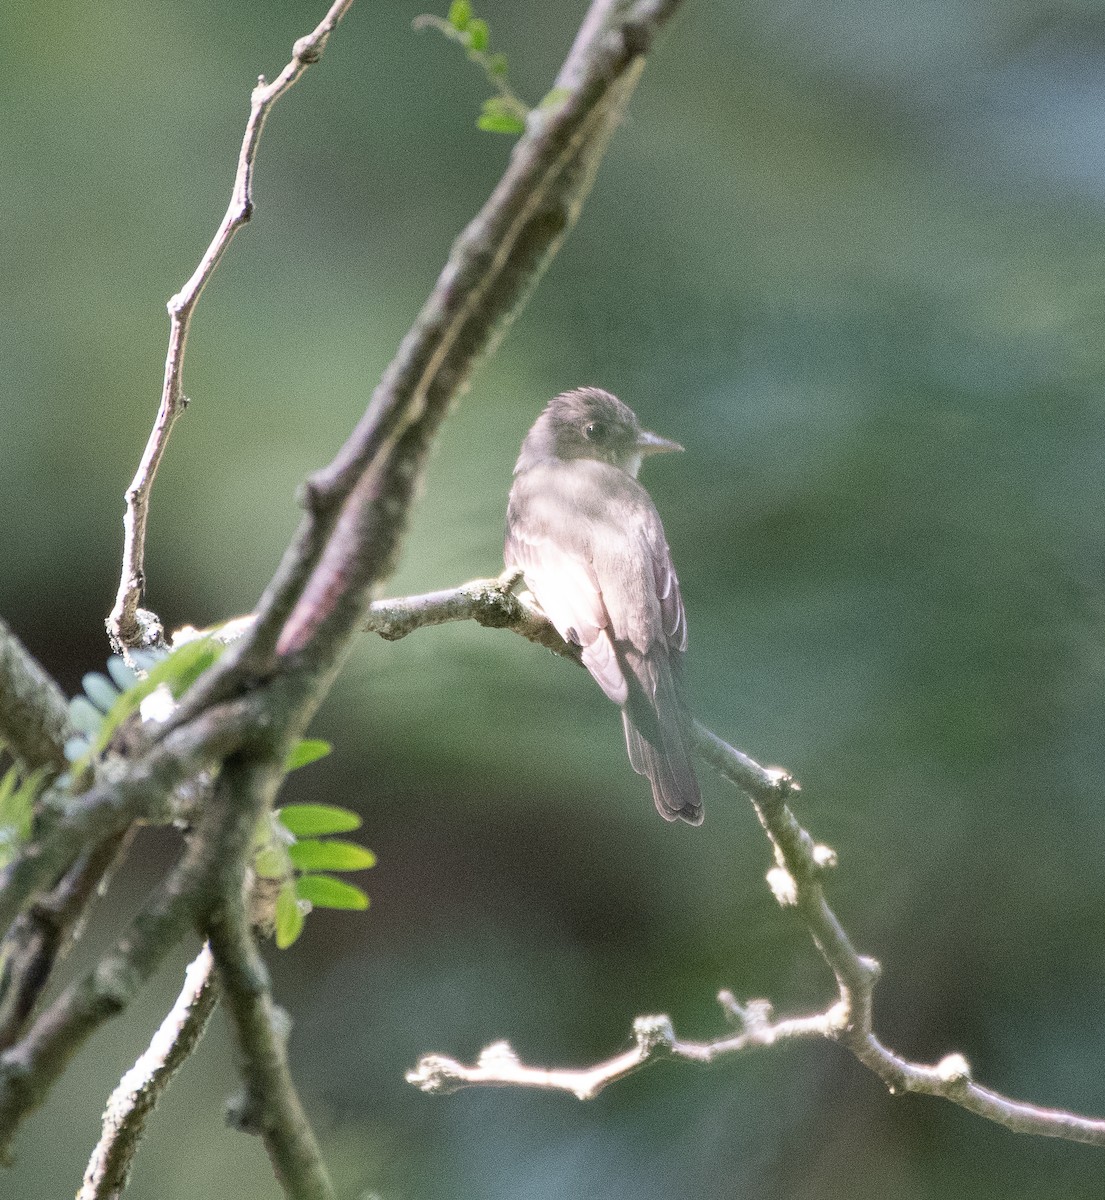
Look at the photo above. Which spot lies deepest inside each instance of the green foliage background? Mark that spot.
(850, 254)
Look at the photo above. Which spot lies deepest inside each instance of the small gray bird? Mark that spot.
(589, 543)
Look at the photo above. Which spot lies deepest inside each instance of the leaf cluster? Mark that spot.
(504, 112)
(109, 700)
(295, 847)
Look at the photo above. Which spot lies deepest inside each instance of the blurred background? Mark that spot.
(850, 253)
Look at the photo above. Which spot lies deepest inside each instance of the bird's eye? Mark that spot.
(595, 431)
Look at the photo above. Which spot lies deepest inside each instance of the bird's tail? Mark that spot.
(658, 741)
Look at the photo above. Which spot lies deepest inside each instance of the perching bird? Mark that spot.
(589, 543)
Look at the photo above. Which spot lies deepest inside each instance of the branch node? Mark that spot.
(435, 1075)
(244, 1113)
(954, 1070)
(783, 887)
(314, 495)
(497, 1056)
(654, 1033)
(871, 967)
(824, 857)
(782, 781)
(308, 49)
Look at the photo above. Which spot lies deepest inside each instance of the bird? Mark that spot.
(591, 549)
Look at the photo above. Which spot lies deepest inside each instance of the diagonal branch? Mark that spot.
(42, 935)
(128, 625)
(34, 716)
(137, 1093)
(30, 1067)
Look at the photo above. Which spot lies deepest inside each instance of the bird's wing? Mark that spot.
(563, 582)
(673, 619)
(641, 591)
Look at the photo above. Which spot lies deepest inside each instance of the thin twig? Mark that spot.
(128, 625)
(34, 715)
(135, 1097)
(654, 1039)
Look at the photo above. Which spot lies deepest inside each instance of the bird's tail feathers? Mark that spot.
(665, 760)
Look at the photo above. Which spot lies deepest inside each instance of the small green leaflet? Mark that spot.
(323, 891)
(304, 752)
(17, 797)
(478, 35)
(289, 917)
(333, 855)
(460, 13)
(316, 820)
(498, 116)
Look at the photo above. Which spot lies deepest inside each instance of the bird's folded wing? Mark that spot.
(567, 590)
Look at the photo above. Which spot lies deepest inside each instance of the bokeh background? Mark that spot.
(850, 253)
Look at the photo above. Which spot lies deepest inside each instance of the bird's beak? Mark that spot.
(653, 443)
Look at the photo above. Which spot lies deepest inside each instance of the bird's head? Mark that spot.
(591, 423)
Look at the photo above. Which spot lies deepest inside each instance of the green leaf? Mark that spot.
(308, 750)
(325, 892)
(100, 690)
(460, 13)
(500, 123)
(335, 855)
(478, 35)
(17, 798)
(184, 666)
(123, 676)
(500, 116)
(289, 917)
(313, 820)
(497, 65)
(8, 785)
(85, 716)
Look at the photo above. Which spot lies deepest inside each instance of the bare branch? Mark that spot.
(135, 1097)
(34, 715)
(128, 625)
(654, 1039)
(488, 602)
